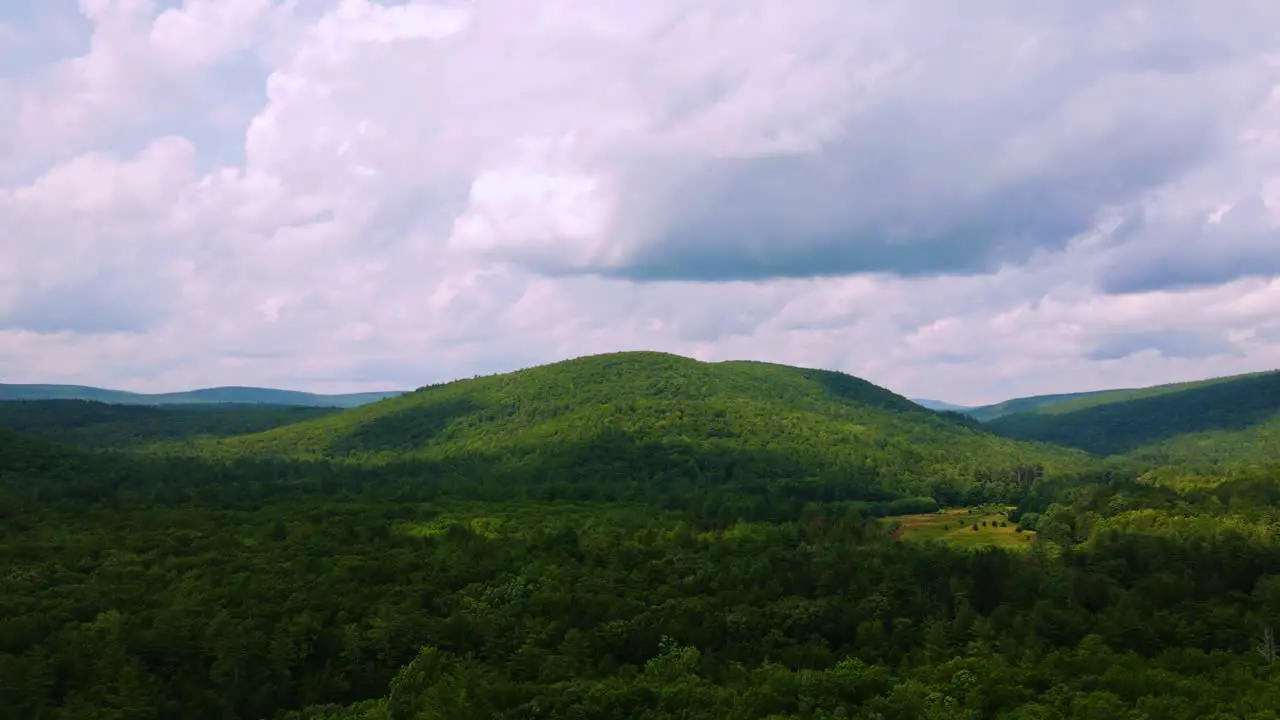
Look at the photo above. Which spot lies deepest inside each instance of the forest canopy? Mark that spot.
(630, 535)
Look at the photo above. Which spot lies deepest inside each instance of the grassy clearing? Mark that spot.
(956, 526)
(524, 519)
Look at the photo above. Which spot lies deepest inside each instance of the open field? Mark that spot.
(956, 526)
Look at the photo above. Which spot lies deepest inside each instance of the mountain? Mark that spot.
(637, 417)
(628, 535)
(239, 395)
(1070, 402)
(939, 405)
(94, 424)
(1233, 419)
(1035, 403)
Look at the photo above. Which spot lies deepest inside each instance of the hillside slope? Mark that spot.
(35, 472)
(939, 405)
(1034, 403)
(1072, 402)
(1234, 417)
(645, 417)
(99, 425)
(238, 395)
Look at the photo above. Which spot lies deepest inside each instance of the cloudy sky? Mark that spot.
(965, 201)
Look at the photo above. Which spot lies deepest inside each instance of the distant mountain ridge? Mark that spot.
(1034, 403)
(1057, 403)
(1208, 424)
(940, 406)
(237, 395)
(86, 423)
(1071, 402)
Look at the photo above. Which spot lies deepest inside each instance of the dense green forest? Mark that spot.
(1071, 402)
(1035, 403)
(1203, 427)
(99, 425)
(625, 536)
(625, 423)
(206, 396)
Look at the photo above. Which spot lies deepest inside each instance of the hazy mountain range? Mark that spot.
(238, 395)
(1052, 403)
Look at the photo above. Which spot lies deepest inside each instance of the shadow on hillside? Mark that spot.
(856, 390)
(723, 483)
(407, 430)
(1121, 427)
(716, 478)
(614, 465)
(91, 424)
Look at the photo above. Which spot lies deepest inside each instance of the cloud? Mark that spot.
(1242, 240)
(957, 202)
(83, 246)
(142, 65)
(1171, 344)
(819, 147)
(808, 146)
(102, 303)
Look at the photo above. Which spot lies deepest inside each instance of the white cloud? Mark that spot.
(203, 32)
(411, 192)
(140, 67)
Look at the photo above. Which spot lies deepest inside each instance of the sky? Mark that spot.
(960, 201)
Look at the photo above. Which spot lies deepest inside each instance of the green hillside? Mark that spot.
(36, 474)
(21, 452)
(1071, 402)
(645, 417)
(626, 536)
(237, 395)
(1089, 400)
(1230, 419)
(939, 405)
(1213, 452)
(99, 425)
(1035, 403)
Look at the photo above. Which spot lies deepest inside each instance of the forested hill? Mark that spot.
(939, 405)
(1034, 403)
(1226, 419)
(1071, 402)
(99, 425)
(647, 416)
(21, 452)
(628, 536)
(238, 395)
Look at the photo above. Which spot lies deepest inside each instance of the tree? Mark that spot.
(1266, 645)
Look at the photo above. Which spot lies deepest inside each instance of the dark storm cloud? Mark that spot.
(966, 159)
(1244, 242)
(776, 221)
(1171, 344)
